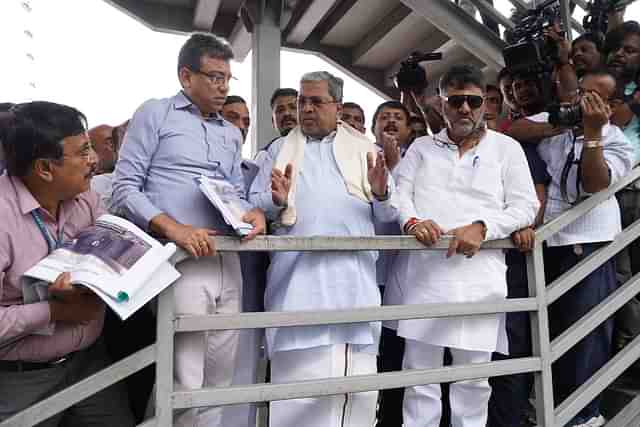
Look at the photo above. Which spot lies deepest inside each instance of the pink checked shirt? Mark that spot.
(22, 245)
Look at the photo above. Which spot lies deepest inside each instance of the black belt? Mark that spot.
(21, 366)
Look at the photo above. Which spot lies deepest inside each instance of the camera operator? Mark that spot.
(533, 124)
(587, 53)
(586, 160)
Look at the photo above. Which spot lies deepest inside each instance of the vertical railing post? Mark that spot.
(540, 340)
(164, 358)
(565, 16)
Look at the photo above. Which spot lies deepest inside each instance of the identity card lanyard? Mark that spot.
(52, 243)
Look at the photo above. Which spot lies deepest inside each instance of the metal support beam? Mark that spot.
(540, 340)
(351, 384)
(160, 17)
(312, 12)
(265, 43)
(240, 40)
(205, 14)
(164, 358)
(380, 31)
(462, 28)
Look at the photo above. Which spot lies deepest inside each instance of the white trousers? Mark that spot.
(346, 410)
(211, 285)
(423, 405)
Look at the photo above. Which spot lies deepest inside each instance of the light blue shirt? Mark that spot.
(321, 280)
(167, 145)
(632, 132)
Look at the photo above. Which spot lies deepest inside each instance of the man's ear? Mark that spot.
(184, 75)
(42, 169)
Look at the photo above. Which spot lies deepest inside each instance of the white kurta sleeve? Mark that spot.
(520, 201)
(404, 176)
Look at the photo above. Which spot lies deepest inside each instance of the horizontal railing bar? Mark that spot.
(487, 9)
(83, 389)
(570, 278)
(598, 314)
(357, 315)
(151, 422)
(627, 415)
(552, 227)
(597, 383)
(338, 243)
(353, 384)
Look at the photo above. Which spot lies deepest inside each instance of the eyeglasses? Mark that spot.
(215, 77)
(315, 101)
(457, 101)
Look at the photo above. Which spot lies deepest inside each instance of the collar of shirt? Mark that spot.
(28, 203)
(182, 102)
(328, 138)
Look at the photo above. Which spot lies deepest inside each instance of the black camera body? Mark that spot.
(528, 52)
(412, 77)
(565, 115)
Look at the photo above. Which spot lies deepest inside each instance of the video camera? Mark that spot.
(528, 51)
(412, 77)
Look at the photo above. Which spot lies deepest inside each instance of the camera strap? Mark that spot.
(564, 178)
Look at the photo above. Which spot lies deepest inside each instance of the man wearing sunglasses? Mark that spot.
(590, 158)
(314, 182)
(471, 184)
(168, 144)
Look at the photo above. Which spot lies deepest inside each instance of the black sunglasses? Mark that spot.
(457, 101)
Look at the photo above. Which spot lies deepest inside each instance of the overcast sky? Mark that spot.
(89, 55)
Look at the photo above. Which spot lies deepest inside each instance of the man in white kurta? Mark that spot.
(320, 180)
(474, 184)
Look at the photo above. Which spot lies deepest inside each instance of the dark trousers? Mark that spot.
(510, 393)
(125, 338)
(107, 408)
(576, 366)
(390, 359)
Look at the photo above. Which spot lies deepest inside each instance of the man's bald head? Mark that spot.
(103, 144)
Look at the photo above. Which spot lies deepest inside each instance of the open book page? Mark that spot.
(114, 258)
(223, 196)
(164, 276)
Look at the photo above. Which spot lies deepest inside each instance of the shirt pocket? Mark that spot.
(486, 179)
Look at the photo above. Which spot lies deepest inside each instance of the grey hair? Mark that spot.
(335, 83)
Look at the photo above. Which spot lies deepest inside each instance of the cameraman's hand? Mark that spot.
(564, 47)
(595, 114)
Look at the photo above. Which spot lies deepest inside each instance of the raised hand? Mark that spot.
(377, 174)
(391, 150)
(281, 184)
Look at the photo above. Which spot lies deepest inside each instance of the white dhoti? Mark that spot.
(345, 410)
(469, 399)
(211, 285)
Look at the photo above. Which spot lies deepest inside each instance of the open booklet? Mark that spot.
(115, 259)
(224, 197)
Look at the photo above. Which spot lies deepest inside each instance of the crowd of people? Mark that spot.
(480, 161)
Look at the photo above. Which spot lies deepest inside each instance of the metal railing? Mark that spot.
(544, 353)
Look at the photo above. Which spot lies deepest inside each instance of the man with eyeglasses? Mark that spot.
(49, 345)
(169, 143)
(321, 180)
(590, 158)
(472, 184)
